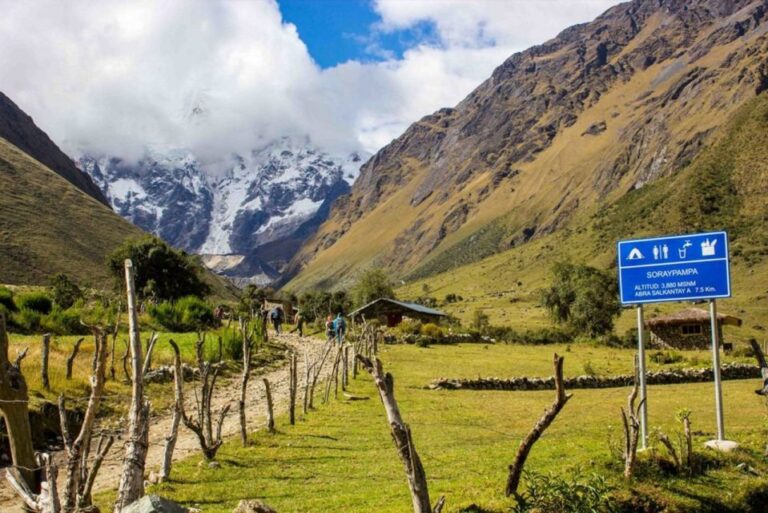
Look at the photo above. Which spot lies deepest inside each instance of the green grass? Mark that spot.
(341, 457)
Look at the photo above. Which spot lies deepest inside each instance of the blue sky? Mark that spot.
(337, 31)
(347, 75)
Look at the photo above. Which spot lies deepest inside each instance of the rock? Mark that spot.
(154, 504)
(252, 506)
(214, 464)
(596, 128)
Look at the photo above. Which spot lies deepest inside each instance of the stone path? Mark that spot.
(187, 442)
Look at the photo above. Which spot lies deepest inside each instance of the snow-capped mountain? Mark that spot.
(248, 221)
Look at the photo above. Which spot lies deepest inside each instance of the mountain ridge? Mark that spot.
(603, 108)
(19, 129)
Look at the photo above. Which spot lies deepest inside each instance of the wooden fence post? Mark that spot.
(178, 408)
(401, 435)
(72, 356)
(14, 404)
(293, 385)
(270, 410)
(44, 363)
(131, 487)
(516, 469)
(247, 346)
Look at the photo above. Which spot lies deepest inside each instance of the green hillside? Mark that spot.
(724, 188)
(48, 226)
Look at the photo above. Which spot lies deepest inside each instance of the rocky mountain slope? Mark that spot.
(248, 221)
(556, 132)
(20, 130)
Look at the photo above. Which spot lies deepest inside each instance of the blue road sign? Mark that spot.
(674, 268)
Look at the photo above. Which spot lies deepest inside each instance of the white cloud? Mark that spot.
(113, 76)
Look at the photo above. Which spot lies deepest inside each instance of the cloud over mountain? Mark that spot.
(217, 78)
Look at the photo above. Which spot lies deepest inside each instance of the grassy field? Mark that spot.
(341, 457)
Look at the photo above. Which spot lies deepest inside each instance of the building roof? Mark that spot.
(424, 310)
(691, 315)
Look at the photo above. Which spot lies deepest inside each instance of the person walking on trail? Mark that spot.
(277, 318)
(298, 320)
(330, 333)
(340, 328)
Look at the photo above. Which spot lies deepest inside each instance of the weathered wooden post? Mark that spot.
(247, 346)
(44, 364)
(307, 378)
(516, 469)
(293, 385)
(178, 408)
(270, 411)
(401, 435)
(344, 368)
(131, 487)
(72, 356)
(14, 409)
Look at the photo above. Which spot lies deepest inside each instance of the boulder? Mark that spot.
(154, 504)
(252, 506)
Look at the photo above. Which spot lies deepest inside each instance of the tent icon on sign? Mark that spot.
(635, 255)
(708, 248)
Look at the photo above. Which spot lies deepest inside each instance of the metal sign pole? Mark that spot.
(641, 372)
(716, 369)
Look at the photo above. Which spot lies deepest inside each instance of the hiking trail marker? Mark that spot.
(692, 267)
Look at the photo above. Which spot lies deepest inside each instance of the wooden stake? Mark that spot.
(516, 469)
(292, 385)
(247, 346)
(44, 364)
(131, 487)
(401, 435)
(14, 405)
(71, 359)
(178, 408)
(270, 411)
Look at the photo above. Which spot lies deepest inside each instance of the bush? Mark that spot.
(665, 357)
(371, 285)
(35, 301)
(27, 320)
(409, 327)
(189, 313)
(480, 320)
(553, 494)
(582, 297)
(65, 292)
(6, 300)
(161, 271)
(432, 330)
(64, 322)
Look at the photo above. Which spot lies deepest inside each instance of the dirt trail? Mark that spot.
(187, 444)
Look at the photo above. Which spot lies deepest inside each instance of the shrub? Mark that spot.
(161, 271)
(187, 314)
(582, 297)
(409, 327)
(27, 320)
(554, 494)
(480, 320)
(36, 301)
(371, 285)
(665, 357)
(65, 292)
(432, 330)
(6, 299)
(64, 322)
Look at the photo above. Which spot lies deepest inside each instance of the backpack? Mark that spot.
(339, 324)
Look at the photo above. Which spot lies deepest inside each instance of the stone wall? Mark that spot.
(664, 377)
(671, 336)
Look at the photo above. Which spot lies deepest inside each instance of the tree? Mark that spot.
(65, 291)
(371, 285)
(582, 297)
(161, 271)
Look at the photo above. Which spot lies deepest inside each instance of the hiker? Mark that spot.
(330, 333)
(277, 318)
(298, 320)
(340, 328)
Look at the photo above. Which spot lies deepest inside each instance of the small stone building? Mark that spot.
(687, 329)
(391, 312)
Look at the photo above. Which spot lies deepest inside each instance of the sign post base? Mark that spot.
(722, 445)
